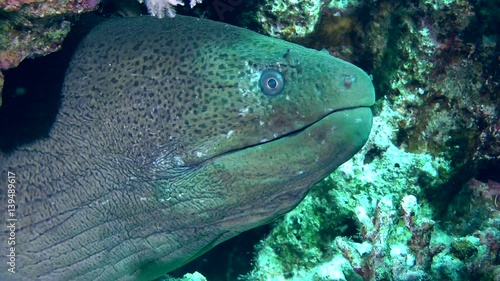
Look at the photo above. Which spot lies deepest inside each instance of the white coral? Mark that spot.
(160, 8)
(193, 3)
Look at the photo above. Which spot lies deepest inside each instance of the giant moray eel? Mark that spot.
(174, 135)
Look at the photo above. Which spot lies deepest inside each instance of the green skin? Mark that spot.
(165, 146)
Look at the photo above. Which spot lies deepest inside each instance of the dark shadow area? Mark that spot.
(32, 91)
(488, 170)
(229, 259)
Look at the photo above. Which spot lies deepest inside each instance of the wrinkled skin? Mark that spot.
(166, 145)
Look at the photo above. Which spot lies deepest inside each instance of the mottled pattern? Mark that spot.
(165, 146)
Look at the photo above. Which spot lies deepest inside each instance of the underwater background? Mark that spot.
(420, 201)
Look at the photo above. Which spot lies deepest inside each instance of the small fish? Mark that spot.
(173, 136)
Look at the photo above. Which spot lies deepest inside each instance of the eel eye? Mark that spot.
(272, 82)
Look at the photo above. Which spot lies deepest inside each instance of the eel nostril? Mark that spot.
(348, 81)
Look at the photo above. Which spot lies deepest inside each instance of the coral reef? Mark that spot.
(443, 82)
(44, 37)
(35, 28)
(196, 276)
(162, 8)
(314, 235)
(289, 19)
(370, 220)
(339, 29)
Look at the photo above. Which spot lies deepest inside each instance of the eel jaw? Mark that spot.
(297, 131)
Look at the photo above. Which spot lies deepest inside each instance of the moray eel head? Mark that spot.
(173, 136)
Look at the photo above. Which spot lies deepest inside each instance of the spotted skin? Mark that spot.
(165, 146)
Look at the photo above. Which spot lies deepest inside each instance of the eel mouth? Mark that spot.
(324, 118)
(331, 140)
(298, 131)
